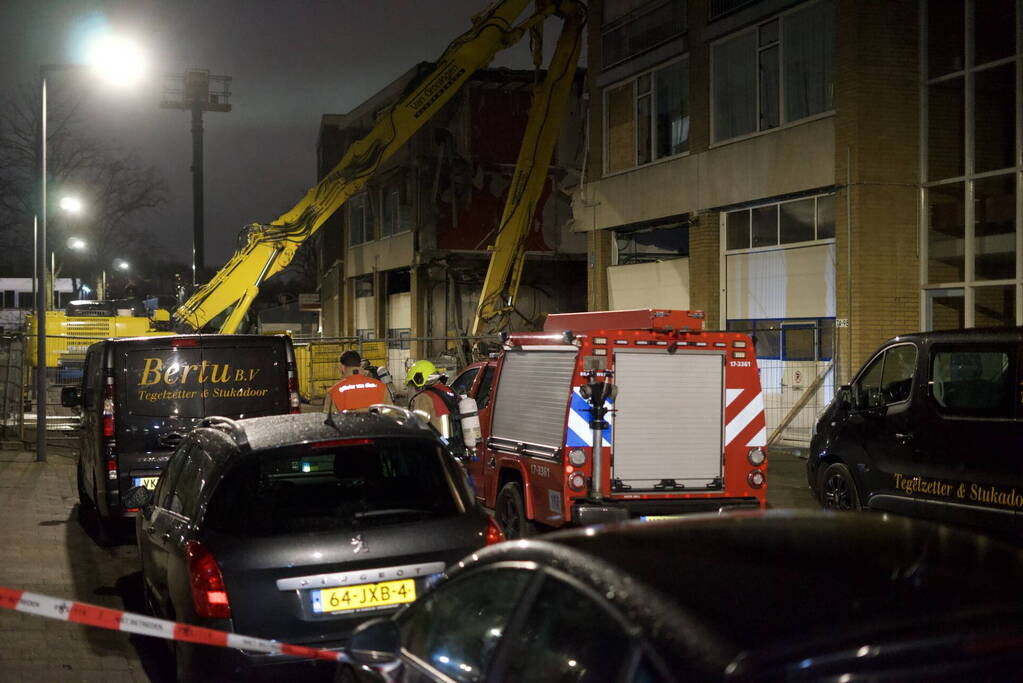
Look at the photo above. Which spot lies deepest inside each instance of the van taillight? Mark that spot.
(209, 594)
(108, 408)
(494, 533)
(293, 399)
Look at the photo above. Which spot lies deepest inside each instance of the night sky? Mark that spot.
(291, 60)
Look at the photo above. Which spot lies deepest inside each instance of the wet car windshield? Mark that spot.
(356, 484)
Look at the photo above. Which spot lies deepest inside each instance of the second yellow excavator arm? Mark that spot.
(269, 248)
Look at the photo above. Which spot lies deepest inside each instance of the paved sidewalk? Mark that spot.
(47, 550)
(786, 479)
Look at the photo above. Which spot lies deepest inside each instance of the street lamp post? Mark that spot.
(121, 60)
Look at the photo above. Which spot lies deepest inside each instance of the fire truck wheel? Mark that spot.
(510, 511)
(838, 490)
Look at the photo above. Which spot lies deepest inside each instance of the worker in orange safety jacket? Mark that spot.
(355, 391)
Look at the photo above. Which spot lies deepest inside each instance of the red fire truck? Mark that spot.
(684, 428)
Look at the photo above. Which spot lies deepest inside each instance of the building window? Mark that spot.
(642, 29)
(390, 211)
(10, 296)
(649, 244)
(791, 339)
(969, 163)
(799, 220)
(360, 219)
(25, 300)
(647, 117)
(774, 73)
(398, 338)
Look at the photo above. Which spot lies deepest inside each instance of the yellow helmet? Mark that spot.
(420, 373)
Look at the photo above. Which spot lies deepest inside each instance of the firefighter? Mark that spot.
(431, 395)
(355, 391)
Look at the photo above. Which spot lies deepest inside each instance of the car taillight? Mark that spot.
(108, 408)
(209, 594)
(756, 479)
(494, 533)
(577, 481)
(293, 399)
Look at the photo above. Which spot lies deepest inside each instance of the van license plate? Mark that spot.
(148, 482)
(363, 596)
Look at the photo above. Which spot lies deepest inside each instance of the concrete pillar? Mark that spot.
(599, 254)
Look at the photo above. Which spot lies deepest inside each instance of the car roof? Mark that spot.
(276, 431)
(782, 580)
(970, 335)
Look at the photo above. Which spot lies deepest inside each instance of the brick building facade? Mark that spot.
(840, 171)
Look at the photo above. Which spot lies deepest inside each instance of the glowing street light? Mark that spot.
(71, 204)
(121, 264)
(118, 60)
(76, 243)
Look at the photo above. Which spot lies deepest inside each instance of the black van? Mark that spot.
(140, 396)
(931, 426)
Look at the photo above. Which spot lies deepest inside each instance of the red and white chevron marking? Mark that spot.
(744, 417)
(116, 620)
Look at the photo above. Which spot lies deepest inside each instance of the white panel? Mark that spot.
(782, 283)
(663, 284)
(668, 417)
(399, 311)
(532, 397)
(365, 318)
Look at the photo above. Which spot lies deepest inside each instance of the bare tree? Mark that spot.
(116, 186)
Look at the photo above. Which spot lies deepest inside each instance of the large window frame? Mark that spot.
(360, 219)
(645, 97)
(644, 28)
(755, 217)
(768, 41)
(974, 289)
(392, 212)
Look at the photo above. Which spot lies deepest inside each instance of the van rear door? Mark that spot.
(167, 384)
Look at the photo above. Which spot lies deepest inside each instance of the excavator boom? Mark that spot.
(268, 249)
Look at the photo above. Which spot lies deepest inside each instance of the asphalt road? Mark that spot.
(50, 547)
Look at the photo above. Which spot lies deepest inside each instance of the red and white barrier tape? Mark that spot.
(116, 620)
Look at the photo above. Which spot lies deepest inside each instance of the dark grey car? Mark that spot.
(777, 596)
(294, 529)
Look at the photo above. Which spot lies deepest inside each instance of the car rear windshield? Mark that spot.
(316, 488)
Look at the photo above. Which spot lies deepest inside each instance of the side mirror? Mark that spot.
(377, 641)
(844, 397)
(71, 397)
(137, 497)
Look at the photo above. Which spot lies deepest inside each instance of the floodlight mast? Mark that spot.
(197, 91)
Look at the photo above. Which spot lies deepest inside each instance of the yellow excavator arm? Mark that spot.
(550, 104)
(268, 249)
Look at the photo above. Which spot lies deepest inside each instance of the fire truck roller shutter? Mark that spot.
(532, 397)
(668, 418)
